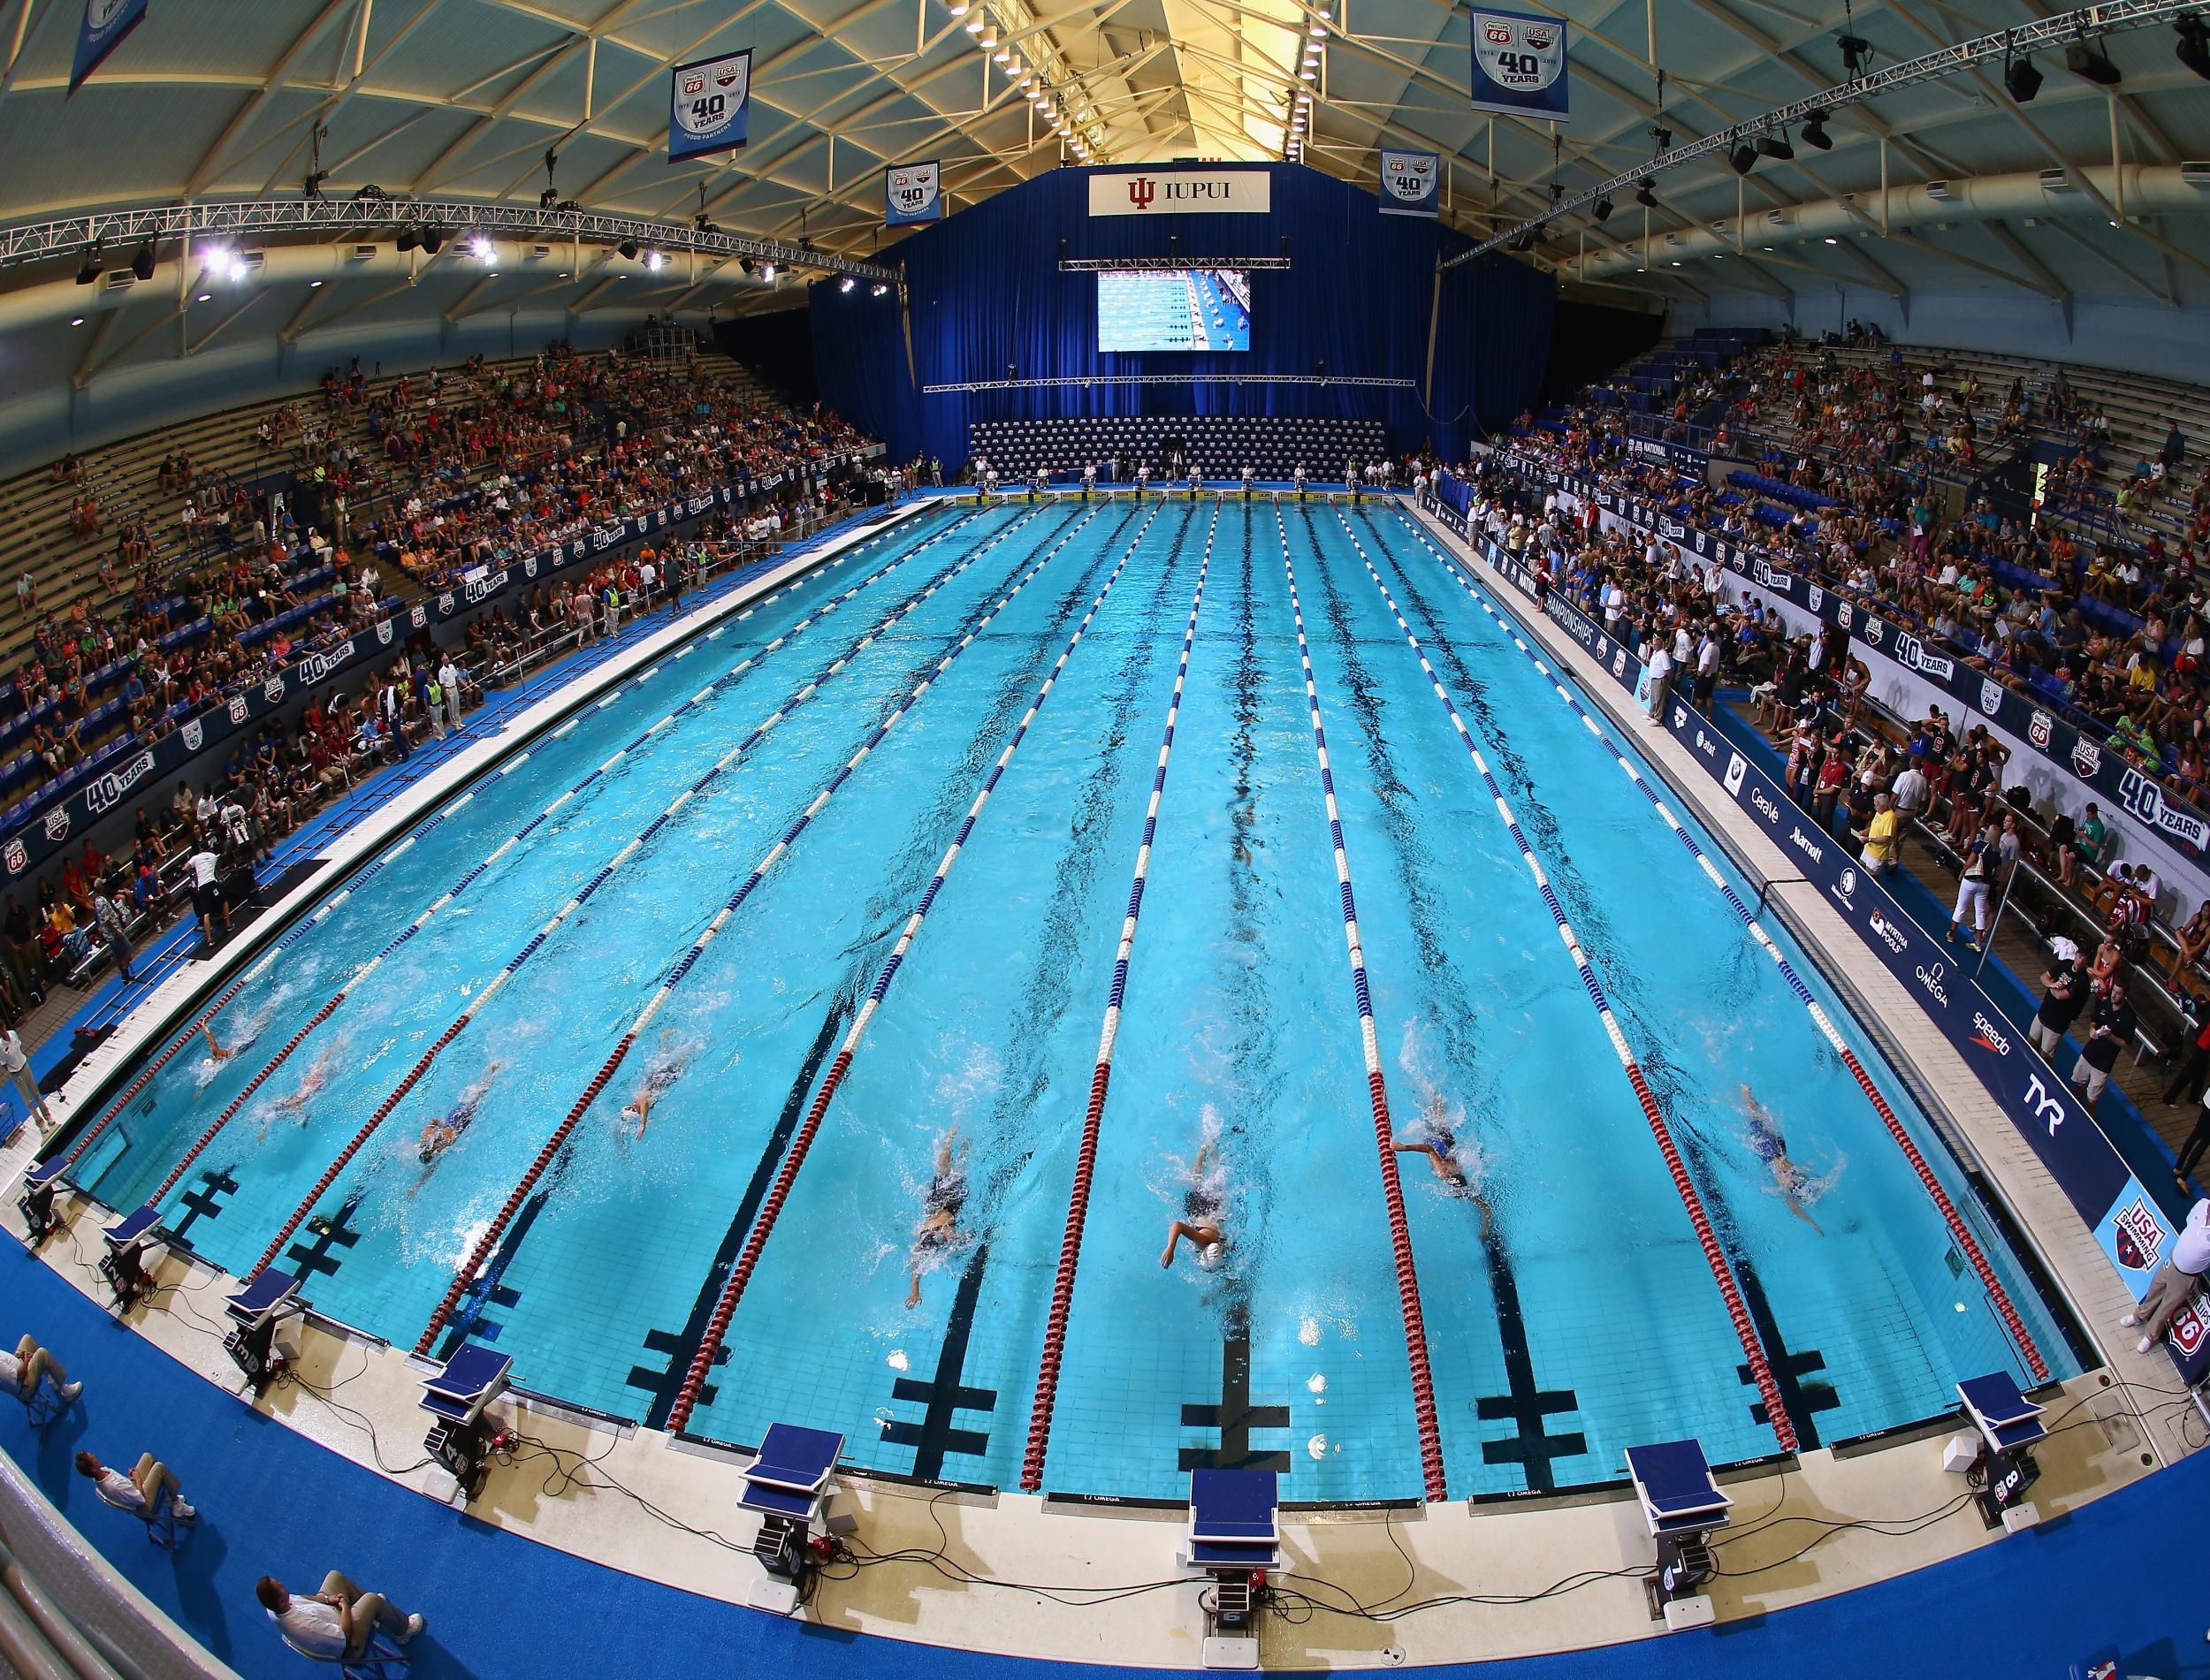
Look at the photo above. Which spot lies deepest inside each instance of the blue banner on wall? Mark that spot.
(913, 192)
(1519, 65)
(709, 100)
(1411, 184)
(104, 24)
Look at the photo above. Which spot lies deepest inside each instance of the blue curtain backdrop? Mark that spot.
(988, 300)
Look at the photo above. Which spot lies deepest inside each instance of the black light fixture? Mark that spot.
(1854, 49)
(2021, 79)
(142, 264)
(1744, 158)
(746, 264)
(1660, 138)
(2194, 46)
(1646, 193)
(1602, 210)
(88, 270)
(2087, 60)
(628, 248)
(1776, 145)
(408, 239)
(1814, 133)
(431, 239)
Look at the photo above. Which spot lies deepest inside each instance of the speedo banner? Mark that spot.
(1411, 184)
(709, 103)
(913, 192)
(1519, 65)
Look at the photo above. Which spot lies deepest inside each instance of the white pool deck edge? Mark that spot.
(1493, 1549)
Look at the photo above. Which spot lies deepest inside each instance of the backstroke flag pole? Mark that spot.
(1519, 66)
(709, 101)
(105, 24)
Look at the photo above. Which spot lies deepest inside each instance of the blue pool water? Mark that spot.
(1570, 1311)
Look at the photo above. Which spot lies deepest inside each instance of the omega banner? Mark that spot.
(131, 772)
(1178, 192)
(2133, 1231)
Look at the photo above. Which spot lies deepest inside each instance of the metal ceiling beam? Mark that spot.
(196, 181)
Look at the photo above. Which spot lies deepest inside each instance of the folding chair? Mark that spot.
(379, 1660)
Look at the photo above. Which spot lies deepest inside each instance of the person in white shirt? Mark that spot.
(337, 1623)
(2182, 1271)
(207, 898)
(30, 1366)
(449, 683)
(1660, 673)
(15, 1062)
(140, 1492)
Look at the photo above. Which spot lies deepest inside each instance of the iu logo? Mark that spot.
(1141, 191)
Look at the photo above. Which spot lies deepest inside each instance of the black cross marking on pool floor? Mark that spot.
(206, 1201)
(1799, 1399)
(489, 1291)
(943, 1395)
(307, 1259)
(1235, 1417)
(1533, 1446)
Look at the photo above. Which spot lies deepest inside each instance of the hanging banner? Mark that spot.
(1519, 65)
(105, 24)
(1411, 184)
(708, 101)
(1178, 192)
(913, 192)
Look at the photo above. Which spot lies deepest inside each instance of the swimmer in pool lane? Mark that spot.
(312, 1082)
(1440, 1148)
(441, 1134)
(1203, 1208)
(1772, 1149)
(665, 1069)
(939, 1227)
(215, 1051)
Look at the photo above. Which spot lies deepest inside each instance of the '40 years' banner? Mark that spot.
(709, 100)
(913, 192)
(1519, 65)
(1411, 184)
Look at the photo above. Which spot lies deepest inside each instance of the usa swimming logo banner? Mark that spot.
(105, 24)
(913, 192)
(1519, 65)
(709, 100)
(1410, 183)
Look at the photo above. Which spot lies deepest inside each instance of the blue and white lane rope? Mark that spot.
(771, 1207)
(1102, 1073)
(490, 1237)
(1377, 1082)
(1958, 1229)
(1714, 1255)
(489, 987)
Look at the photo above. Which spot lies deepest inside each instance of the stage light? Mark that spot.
(655, 261)
(233, 268)
(76, 321)
(1311, 55)
(882, 290)
(746, 264)
(2022, 78)
(2194, 45)
(203, 297)
(974, 25)
(88, 270)
(1744, 158)
(1813, 133)
(1646, 194)
(846, 283)
(1318, 32)
(768, 273)
(2087, 60)
(1854, 51)
(1601, 209)
(311, 284)
(482, 248)
(628, 248)
(407, 239)
(142, 264)
(1776, 145)
(958, 8)
(1012, 63)
(433, 239)
(1831, 239)
(1660, 140)
(1307, 74)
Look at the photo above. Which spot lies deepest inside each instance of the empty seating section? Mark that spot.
(1221, 446)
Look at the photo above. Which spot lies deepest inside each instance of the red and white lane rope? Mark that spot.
(360, 975)
(771, 1206)
(1714, 1255)
(485, 990)
(553, 1144)
(1376, 1084)
(1102, 1075)
(91, 1133)
(1958, 1229)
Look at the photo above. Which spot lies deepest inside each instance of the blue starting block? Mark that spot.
(788, 1487)
(124, 1265)
(463, 1439)
(2006, 1427)
(1234, 1537)
(257, 1310)
(1681, 1506)
(41, 1183)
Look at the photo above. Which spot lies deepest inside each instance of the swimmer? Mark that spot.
(1772, 1149)
(666, 1069)
(441, 1134)
(1202, 1210)
(315, 1079)
(1441, 1150)
(215, 1051)
(947, 1193)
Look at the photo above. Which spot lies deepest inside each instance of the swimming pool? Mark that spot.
(715, 892)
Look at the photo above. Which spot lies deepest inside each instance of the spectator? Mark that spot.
(15, 1062)
(1878, 855)
(2177, 1282)
(2113, 1025)
(336, 1624)
(2062, 997)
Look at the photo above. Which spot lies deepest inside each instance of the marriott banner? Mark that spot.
(1178, 192)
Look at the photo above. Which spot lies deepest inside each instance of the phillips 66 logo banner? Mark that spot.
(913, 192)
(708, 101)
(1519, 65)
(105, 24)
(1410, 183)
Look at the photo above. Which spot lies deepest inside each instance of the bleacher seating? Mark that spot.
(1221, 444)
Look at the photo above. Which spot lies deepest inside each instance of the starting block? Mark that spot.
(2002, 1471)
(1682, 1507)
(788, 1487)
(1234, 1537)
(41, 1183)
(257, 1311)
(463, 1439)
(124, 1265)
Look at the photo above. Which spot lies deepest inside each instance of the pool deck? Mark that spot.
(315, 1492)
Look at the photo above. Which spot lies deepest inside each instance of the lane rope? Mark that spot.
(1958, 1229)
(1714, 1255)
(465, 1275)
(740, 1276)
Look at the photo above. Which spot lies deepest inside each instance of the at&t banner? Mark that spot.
(101, 30)
(1519, 65)
(1411, 184)
(913, 192)
(709, 100)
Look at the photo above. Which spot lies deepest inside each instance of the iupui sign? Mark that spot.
(1182, 192)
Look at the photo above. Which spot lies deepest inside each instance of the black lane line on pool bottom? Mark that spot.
(943, 1396)
(1235, 1417)
(1593, 926)
(205, 1203)
(1525, 1404)
(316, 1258)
